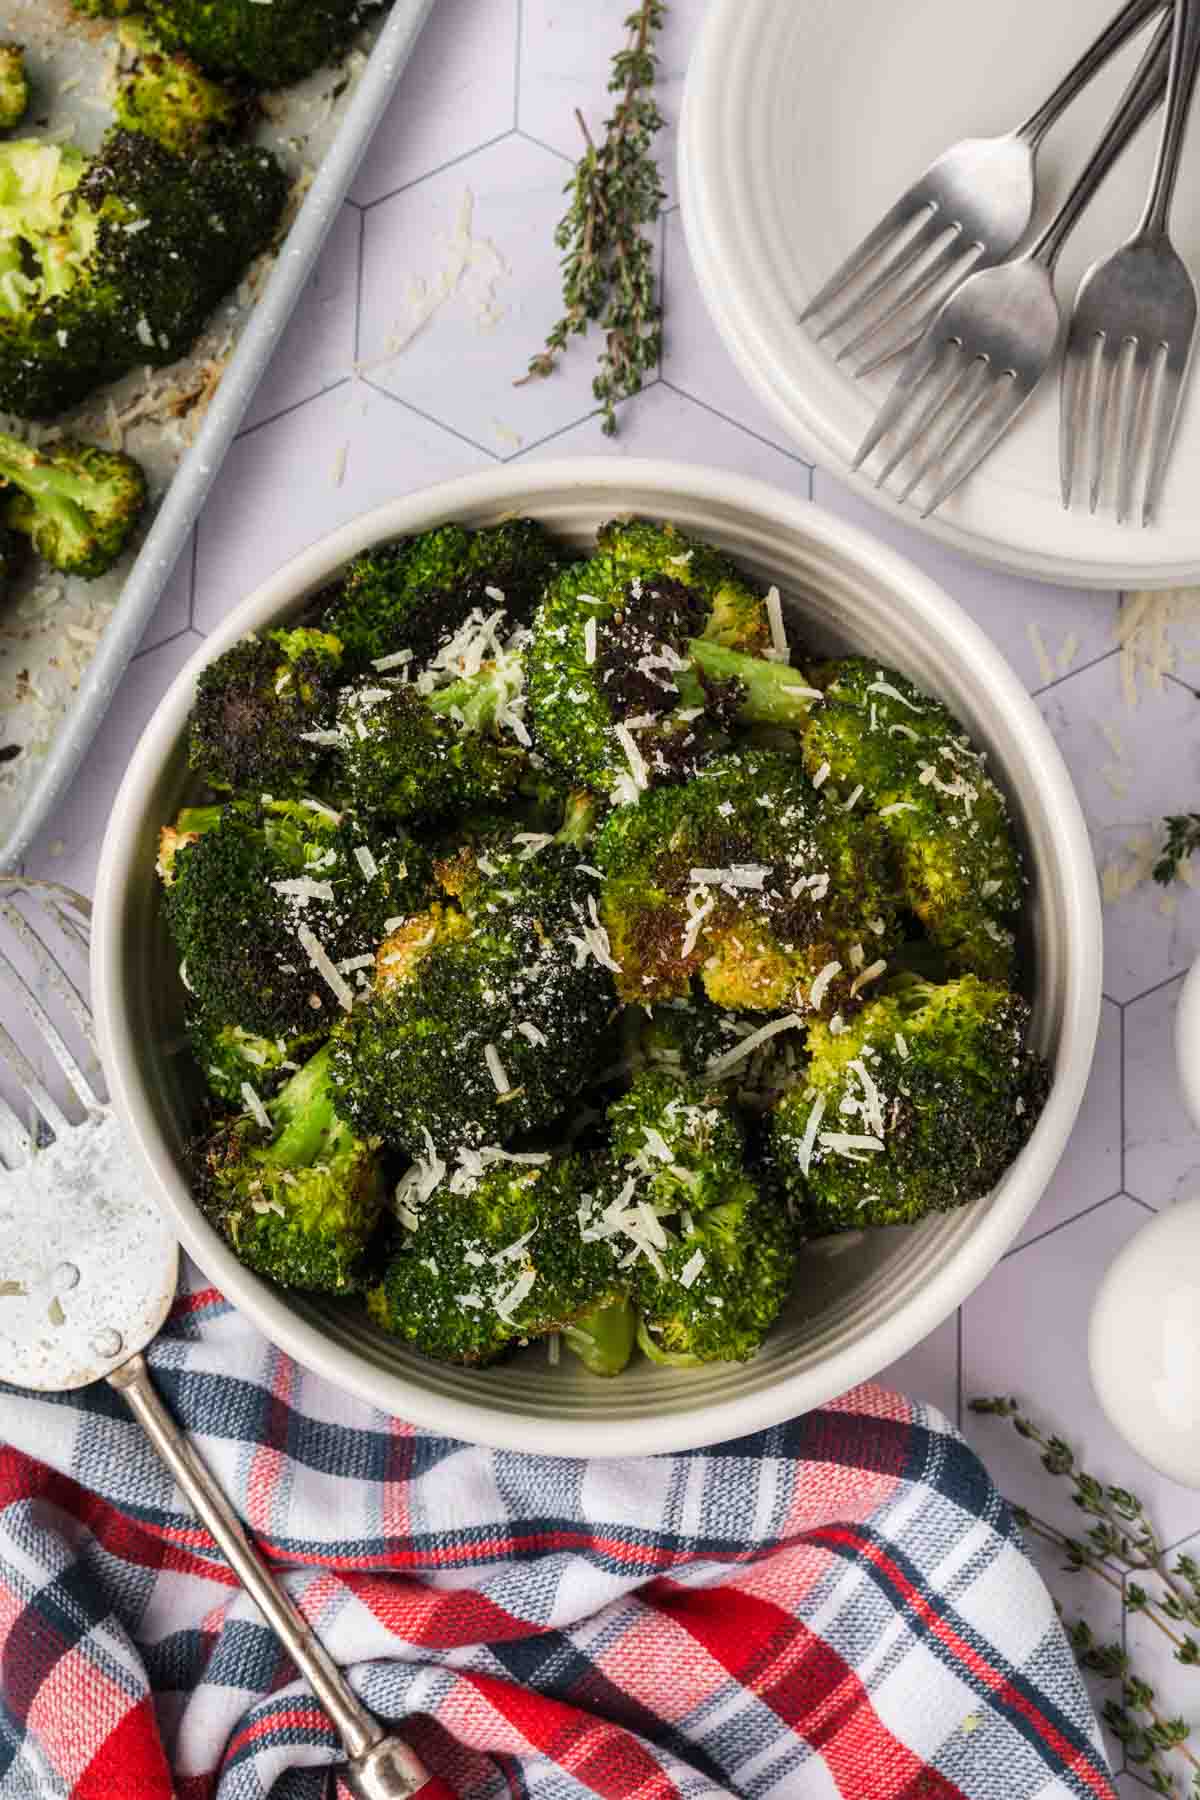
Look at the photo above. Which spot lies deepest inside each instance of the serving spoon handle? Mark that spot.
(380, 1767)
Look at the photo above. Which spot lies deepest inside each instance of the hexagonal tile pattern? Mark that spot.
(1047, 1369)
(317, 349)
(695, 359)
(398, 371)
(291, 481)
(458, 91)
(565, 57)
(1126, 783)
(67, 848)
(1090, 1170)
(445, 324)
(1162, 1150)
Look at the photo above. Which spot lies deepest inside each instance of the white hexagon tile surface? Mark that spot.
(398, 370)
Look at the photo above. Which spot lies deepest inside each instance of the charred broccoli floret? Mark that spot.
(229, 1058)
(116, 261)
(483, 1023)
(721, 1282)
(262, 898)
(268, 46)
(298, 1204)
(14, 86)
(748, 878)
(735, 611)
(166, 95)
(76, 503)
(918, 1106)
(264, 711)
(681, 1138)
(417, 594)
(420, 756)
(482, 1261)
(958, 862)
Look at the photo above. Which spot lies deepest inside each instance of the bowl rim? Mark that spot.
(647, 485)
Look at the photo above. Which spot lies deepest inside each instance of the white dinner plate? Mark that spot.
(803, 120)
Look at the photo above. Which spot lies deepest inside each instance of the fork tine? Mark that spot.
(1108, 378)
(938, 397)
(57, 978)
(1140, 388)
(945, 273)
(943, 429)
(905, 389)
(891, 351)
(1167, 409)
(32, 1082)
(892, 222)
(1002, 400)
(919, 246)
(1076, 390)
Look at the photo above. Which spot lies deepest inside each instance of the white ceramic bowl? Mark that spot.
(853, 1312)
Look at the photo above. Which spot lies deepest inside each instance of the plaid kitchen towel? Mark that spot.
(840, 1606)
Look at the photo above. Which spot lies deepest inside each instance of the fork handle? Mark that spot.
(1138, 103)
(1181, 86)
(381, 1767)
(1132, 16)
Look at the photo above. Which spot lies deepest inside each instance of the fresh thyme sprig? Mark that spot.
(1181, 842)
(1121, 1544)
(608, 259)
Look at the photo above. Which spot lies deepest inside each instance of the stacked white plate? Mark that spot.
(803, 121)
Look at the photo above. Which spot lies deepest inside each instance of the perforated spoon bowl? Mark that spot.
(88, 1268)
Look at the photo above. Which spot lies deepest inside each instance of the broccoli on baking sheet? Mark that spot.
(115, 261)
(76, 503)
(166, 95)
(291, 1187)
(919, 1105)
(14, 86)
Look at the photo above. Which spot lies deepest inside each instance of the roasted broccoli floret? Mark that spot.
(113, 262)
(166, 95)
(298, 1204)
(268, 46)
(420, 756)
(488, 1259)
(417, 594)
(266, 900)
(735, 611)
(263, 711)
(684, 1035)
(918, 773)
(76, 503)
(721, 1282)
(748, 878)
(14, 86)
(681, 1139)
(919, 1105)
(229, 1057)
(483, 1023)
(603, 1339)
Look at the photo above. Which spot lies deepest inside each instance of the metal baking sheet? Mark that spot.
(64, 644)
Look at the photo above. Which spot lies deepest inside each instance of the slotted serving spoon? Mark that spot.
(88, 1268)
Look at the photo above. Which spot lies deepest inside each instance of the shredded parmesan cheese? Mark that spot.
(496, 1069)
(748, 1045)
(254, 1105)
(323, 964)
(816, 994)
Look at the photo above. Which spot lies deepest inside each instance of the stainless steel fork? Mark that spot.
(967, 212)
(978, 363)
(1133, 327)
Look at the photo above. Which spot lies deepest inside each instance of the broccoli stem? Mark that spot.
(667, 1359)
(603, 1338)
(198, 819)
(775, 693)
(303, 1108)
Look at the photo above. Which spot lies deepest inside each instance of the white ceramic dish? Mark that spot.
(802, 122)
(854, 1312)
